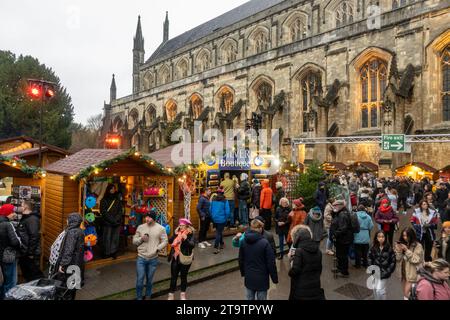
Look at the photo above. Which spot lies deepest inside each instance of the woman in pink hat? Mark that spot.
(181, 256)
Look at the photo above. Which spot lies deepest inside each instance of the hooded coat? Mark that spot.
(8, 236)
(365, 225)
(315, 224)
(306, 268)
(72, 248)
(296, 217)
(30, 235)
(386, 214)
(244, 191)
(429, 288)
(220, 210)
(422, 227)
(257, 262)
(256, 195)
(340, 228)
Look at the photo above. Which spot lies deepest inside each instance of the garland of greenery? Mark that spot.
(22, 166)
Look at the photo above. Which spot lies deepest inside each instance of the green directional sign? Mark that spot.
(393, 143)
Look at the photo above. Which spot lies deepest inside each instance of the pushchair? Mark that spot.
(42, 289)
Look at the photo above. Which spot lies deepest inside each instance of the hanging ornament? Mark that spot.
(90, 202)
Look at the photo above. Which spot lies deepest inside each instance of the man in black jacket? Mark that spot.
(29, 232)
(342, 234)
(257, 263)
(8, 239)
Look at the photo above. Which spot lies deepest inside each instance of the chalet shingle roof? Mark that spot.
(229, 18)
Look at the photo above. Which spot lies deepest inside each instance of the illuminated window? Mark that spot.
(197, 106)
(171, 111)
(226, 100)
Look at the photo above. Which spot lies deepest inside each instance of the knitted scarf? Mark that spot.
(176, 244)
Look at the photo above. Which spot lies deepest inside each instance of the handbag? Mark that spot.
(186, 260)
(254, 212)
(9, 255)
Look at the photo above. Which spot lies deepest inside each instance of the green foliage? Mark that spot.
(19, 115)
(308, 183)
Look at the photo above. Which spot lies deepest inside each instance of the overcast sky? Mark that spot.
(86, 41)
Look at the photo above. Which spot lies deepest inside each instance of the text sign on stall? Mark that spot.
(236, 160)
(393, 143)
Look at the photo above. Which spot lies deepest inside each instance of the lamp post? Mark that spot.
(42, 91)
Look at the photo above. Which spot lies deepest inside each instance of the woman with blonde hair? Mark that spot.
(432, 284)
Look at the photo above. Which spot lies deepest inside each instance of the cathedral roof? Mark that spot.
(227, 19)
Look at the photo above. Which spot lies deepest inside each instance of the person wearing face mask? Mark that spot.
(111, 210)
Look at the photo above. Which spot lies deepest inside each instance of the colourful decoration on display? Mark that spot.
(88, 255)
(90, 202)
(90, 217)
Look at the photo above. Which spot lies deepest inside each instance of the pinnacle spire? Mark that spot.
(166, 28)
(138, 38)
(113, 89)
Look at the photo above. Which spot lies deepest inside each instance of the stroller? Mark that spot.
(42, 289)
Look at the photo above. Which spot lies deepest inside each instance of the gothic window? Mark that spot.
(373, 79)
(311, 86)
(394, 4)
(164, 76)
(149, 81)
(133, 119)
(260, 42)
(226, 100)
(344, 13)
(197, 106)
(229, 53)
(203, 62)
(182, 71)
(171, 111)
(298, 30)
(445, 61)
(264, 94)
(117, 126)
(150, 117)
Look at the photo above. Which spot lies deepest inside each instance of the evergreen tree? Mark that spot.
(19, 115)
(308, 183)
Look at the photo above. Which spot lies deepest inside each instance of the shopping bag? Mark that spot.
(254, 212)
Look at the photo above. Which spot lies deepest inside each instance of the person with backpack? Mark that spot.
(383, 256)
(387, 219)
(362, 238)
(244, 194)
(220, 214)
(257, 263)
(10, 244)
(342, 232)
(410, 256)
(433, 281)
(70, 253)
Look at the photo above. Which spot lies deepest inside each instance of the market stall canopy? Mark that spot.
(420, 165)
(334, 166)
(164, 156)
(106, 162)
(364, 166)
(416, 170)
(18, 168)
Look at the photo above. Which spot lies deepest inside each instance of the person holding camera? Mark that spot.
(181, 256)
(150, 239)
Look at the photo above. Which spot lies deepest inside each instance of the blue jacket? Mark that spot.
(366, 225)
(257, 262)
(220, 210)
(203, 207)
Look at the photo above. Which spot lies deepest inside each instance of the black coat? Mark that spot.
(305, 272)
(256, 196)
(186, 246)
(111, 210)
(257, 262)
(29, 233)
(278, 196)
(8, 236)
(269, 237)
(244, 191)
(403, 190)
(385, 259)
(340, 228)
(282, 215)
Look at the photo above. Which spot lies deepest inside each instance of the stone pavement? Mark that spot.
(107, 282)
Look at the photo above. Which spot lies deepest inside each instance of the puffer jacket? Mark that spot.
(72, 250)
(256, 195)
(411, 260)
(429, 288)
(315, 224)
(220, 210)
(244, 191)
(366, 225)
(282, 215)
(422, 228)
(30, 235)
(383, 258)
(8, 236)
(266, 196)
(340, 228)
(203, 207)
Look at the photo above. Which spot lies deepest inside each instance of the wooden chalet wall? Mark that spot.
(61, 198)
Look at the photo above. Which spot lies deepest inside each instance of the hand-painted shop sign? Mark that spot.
(236, 160)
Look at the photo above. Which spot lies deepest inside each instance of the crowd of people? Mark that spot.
(355, 218)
